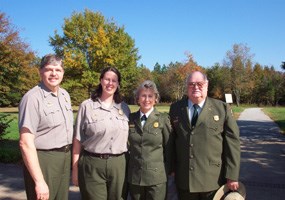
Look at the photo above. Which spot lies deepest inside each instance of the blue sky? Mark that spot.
(164, 30)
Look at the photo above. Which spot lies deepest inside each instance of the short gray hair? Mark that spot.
(148, 84)
(51, 59)
(190, 76)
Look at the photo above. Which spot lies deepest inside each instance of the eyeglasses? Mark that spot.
(193, 84)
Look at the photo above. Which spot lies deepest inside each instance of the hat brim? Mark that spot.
(224, 189)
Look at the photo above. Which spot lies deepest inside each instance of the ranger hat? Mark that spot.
(224, 193)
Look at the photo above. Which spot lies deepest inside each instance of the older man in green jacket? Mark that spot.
(206, 142)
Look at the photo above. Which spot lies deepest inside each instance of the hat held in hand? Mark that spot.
(224, 193)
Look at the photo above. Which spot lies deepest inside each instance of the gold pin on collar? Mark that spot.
(121, 112)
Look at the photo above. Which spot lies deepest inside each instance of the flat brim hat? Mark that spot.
(224, 193)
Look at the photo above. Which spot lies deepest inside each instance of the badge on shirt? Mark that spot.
(216, 118)
(121, 112)
(155, 124)
(49, 104)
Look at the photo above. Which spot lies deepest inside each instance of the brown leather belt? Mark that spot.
(102, 156)
(65, 149)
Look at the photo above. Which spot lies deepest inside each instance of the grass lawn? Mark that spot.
(278, 115)
(9, 147)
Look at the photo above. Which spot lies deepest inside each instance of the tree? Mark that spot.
(18, 71)
(176, 74)
(219, 81)
(88, 44)
(237, 59)
(5, 121)
(283, 66)
(258, 82)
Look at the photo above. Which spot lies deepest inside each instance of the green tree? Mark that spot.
(258, 82)
(18, 71)
(279, 86)
(248, 84)
(90, 43)
(283, 66)
(219, 81)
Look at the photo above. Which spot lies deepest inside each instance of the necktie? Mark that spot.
(143, 119)
(195, 115)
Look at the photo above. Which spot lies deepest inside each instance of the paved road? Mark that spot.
(262, 163)
(263, 156)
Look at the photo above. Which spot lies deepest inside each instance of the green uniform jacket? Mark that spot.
(150, 148)
(208, 154)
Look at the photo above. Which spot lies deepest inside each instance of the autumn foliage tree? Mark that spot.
(172, 79)
(18, 71)
(90, 43)
(219, 81)
(237, 60)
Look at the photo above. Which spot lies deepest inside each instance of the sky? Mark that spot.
(166, 31)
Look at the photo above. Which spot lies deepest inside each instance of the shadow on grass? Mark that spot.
(10, 151)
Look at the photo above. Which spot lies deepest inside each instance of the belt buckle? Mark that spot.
(66, 148)
(104, 156)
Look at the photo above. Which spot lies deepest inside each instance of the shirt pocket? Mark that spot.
(53, 117)
(123, 123)
(215, 127)
(155, 131)
(96, 126)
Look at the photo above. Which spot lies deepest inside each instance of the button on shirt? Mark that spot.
(102, 130)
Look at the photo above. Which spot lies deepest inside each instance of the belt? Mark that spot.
(65, 149)
(102, 156)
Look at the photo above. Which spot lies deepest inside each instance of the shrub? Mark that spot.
(4, 124)
(10, 151)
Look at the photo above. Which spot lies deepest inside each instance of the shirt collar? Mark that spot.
(190, 103)
(47, 91)
(114, 105)
(146, 114)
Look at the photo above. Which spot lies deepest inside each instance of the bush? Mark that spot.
(10, 151)
(4, 124)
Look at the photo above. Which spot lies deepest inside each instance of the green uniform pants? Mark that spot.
(55, 167)
(102, 179)
(154, 192)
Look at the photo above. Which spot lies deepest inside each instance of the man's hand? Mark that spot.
(42, 191)
(232, 185)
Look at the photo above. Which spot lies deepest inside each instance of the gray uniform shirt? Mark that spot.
(102, 130)
(48, 117)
